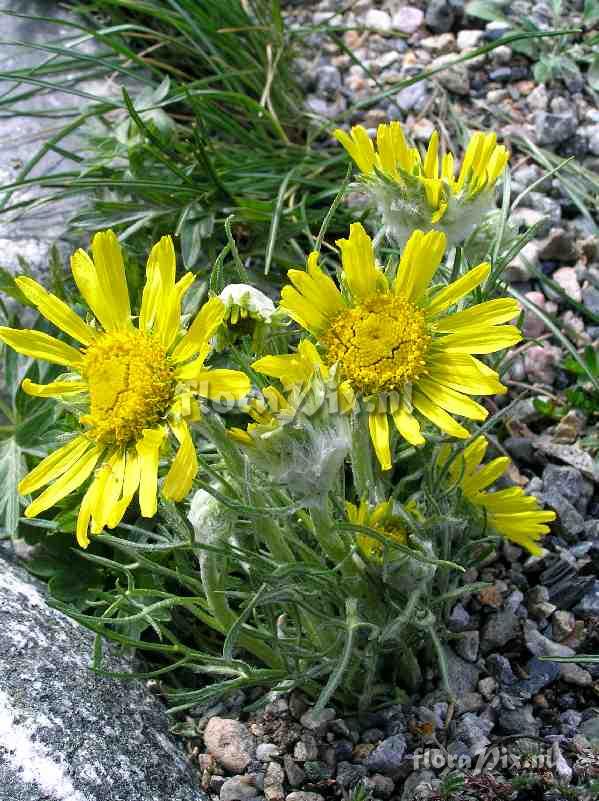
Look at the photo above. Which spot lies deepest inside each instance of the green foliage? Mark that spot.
(584, 395)
(569, 57)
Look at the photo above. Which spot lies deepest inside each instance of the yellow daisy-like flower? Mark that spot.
(380, 518)
(266, 413)
(135, 384)
(509, 511)
(426, 194)
(393, 343)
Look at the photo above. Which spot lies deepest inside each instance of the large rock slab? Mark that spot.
(67, 734)
(29, 234)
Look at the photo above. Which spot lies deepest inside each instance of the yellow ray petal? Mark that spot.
(130, 486)
(452, 401)
(223, 385)
(56, 389)
(56, 310)
(359, 268)
(84, 273)
(407, 425)
(487, 475)
(359, 146)
(69, 481)
(148, 452)
(54, 465)
(160, 280)
(110, 270)
(289, 368)
(109, 480)
(463, 373)
(420, 260)
(317, 289)
(438, 416)
(40, 346)
(492, 312)
(184, 468)
(85, 515)
(207, 320)
(456, 290)
(378, 425)
(431, 161)
(168, 322)
(480, 340)
(474, 453)
(300, 310)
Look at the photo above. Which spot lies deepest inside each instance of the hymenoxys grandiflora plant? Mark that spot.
(313, 531)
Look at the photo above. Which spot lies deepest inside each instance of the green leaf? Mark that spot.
(487, 10)
(593, 74)
(12, 470)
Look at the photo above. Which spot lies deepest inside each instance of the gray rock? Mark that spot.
(501, 669)
(317, 721)
(459, 619)
(239, 788)
(562, 625)
(462, 676)
(571, 485)
(418, 785)
(387, 757)
(328, 81)
(519, 721)
(568, 518)
(380, 786)
(67, 734)
(408, 19)
(295, 775)
(552, 129)
(572, 673)
(467, 646)
(455, 79)
(559, 246)
(439, 16)
(267, 751)
(590, 298)
(588, 606)
(230, 743)
(498, 630)
(412, 97)
(349, 774)
(540, 675)
(590, 729)
(473, 730)
(31, 234)
(539, 645)
(303, 795)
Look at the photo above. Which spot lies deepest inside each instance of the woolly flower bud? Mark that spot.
(208, 517)
(243, 300)
(410, 193)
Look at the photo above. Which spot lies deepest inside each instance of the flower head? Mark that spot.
(411, 193)
(133, 385)
(242, 301)
(393, 344)
(381, 519)
(509, 511)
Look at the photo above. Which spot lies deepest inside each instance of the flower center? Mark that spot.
(131, 386)
(380, 344)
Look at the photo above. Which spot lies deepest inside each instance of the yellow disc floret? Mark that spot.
(131, 385)
(380, 344)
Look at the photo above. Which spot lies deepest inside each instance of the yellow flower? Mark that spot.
(135, 384)
(380, 518)
(393, 343)
(509, 511)
(266, 413)
(411, 193)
